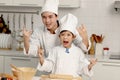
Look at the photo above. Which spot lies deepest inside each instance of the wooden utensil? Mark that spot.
(13, 66)
(32, 22)
(14, 31)
(19, 22)
(24, 20)
(59, 77)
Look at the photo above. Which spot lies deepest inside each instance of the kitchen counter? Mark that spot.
(13, 53)
(103, 59)
(21, 54)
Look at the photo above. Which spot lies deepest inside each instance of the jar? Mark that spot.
(105, 51)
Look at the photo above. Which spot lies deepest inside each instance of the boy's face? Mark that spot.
(66, 38)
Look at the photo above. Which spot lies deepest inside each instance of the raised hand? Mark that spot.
(41, 55)
(26, 36)
(92, 63)
(26, 33)
(83, 33)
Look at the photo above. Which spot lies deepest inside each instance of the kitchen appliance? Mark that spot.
(115, 56)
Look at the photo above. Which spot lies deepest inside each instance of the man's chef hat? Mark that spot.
(69, 22)
(50, 6)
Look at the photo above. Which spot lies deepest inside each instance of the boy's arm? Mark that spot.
(46, 64)
(41, 55)
(92, 63)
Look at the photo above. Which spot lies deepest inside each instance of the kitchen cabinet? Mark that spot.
(25, 3)
(1, 64)
(20, 62)
(106, 71)
(70, 3)
(39, 3)
(5, 2)
(31, 3)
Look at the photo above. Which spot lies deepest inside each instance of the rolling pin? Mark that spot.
(61, 76)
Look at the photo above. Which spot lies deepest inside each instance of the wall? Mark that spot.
(98, 16)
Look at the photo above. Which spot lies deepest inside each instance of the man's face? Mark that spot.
(49, 19)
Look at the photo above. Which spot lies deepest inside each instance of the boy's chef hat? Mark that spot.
(69, 22)
(50, 6)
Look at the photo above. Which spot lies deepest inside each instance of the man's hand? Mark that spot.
(26, 33)
(83, 33)
(26, 36)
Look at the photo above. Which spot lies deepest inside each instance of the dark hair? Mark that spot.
(57, 21)
(65, 31)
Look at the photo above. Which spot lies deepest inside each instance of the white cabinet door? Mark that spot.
(5, 2)
(28, 2)
(69, 3)
(20, 62)
(1, 64)
(106, 71)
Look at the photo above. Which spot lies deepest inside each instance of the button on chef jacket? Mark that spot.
(72, 63)
(42, 37)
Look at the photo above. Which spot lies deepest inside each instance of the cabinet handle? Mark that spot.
(23, 59)
(64, 5)
(110, 64)
(28, 4)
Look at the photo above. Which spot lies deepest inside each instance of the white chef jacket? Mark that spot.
(42, 37)
(72, 63)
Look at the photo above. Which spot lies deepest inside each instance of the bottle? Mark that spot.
(105, 51)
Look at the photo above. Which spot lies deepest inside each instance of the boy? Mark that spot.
(67, 58)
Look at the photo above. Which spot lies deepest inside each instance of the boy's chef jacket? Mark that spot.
(72, 63)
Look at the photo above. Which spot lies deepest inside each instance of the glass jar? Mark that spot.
(105, 51)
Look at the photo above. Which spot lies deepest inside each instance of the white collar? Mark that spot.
(56, 31)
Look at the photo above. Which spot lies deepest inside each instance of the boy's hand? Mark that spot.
(92, 63)
(40, 52)
(41, 55)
